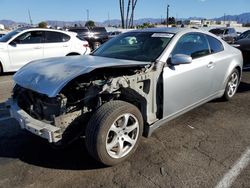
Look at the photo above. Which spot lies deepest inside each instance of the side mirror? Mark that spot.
(179, 59)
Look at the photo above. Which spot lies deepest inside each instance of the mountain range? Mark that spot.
(241, 18)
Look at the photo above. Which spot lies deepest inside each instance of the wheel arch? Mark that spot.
(1, 68)
(130, 96)
(233, 65)
(73, 53)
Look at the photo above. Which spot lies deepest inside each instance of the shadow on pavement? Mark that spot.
(243, 87)
(8, 73)
(17, 143)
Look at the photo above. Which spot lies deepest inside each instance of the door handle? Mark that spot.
(211, 65)
(37, 47)
(65, 45)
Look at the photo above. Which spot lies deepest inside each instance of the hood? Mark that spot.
(49, 76)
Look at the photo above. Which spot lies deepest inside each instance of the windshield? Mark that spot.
(138, 46)
(9, 35)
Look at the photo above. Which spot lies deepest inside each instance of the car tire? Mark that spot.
(96, 45)
(232, 85)
(1, 69)
(113, 132)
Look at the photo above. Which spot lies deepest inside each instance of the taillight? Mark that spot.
(86, 45)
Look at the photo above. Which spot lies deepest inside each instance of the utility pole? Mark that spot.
(87, 14)
(167, 14)
(30, 18)
(109, 20)
(224, 19)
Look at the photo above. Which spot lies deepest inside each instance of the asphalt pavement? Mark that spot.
(206, 147)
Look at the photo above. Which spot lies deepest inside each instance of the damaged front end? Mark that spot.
(64, 116)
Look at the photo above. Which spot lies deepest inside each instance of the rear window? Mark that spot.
(98, 29)
(217, 31)
(54, 37)
(215, 45)
(77, 30)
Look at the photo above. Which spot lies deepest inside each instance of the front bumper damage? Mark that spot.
(51, 133)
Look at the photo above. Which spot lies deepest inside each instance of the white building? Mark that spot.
(193, 22)
(1, 27)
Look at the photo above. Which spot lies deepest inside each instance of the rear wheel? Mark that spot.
(232, 85)
(113, 132)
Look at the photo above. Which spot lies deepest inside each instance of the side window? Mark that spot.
(194, 45)
(215, 45)
(54, 37)
(31, 37)
(65, 38)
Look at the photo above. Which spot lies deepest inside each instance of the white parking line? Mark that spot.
(235, 171)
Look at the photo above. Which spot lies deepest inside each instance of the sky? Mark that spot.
(100, 10)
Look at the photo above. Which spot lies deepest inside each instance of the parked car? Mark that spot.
(238, 33)
(243, 44)
(113, 34)
(94, 35)
(243, 35)
(124, 89)
(24, 45)
(228, 34)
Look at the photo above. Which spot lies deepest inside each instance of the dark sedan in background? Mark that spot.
(243, 43)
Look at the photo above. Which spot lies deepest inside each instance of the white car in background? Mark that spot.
(24, 45)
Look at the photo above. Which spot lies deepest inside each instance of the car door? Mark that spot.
(25, 48)
(187, 85)
(221, 62)
(56, 44)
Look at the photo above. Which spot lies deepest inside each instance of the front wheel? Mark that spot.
(232, 85)
(113, 132)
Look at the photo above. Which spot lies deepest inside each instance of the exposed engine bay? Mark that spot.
(88, 92)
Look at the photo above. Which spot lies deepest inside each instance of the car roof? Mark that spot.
(44, 29)
(173, 30)
(164, 29)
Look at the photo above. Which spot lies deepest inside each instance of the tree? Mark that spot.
(131, 21)
(146, 25)
(43, 25)
(128, 9)
(127, 22)
(90, 23)
(246, 25)
(171, 20)
(122, 12)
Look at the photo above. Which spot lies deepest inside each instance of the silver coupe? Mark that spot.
(127, 88)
